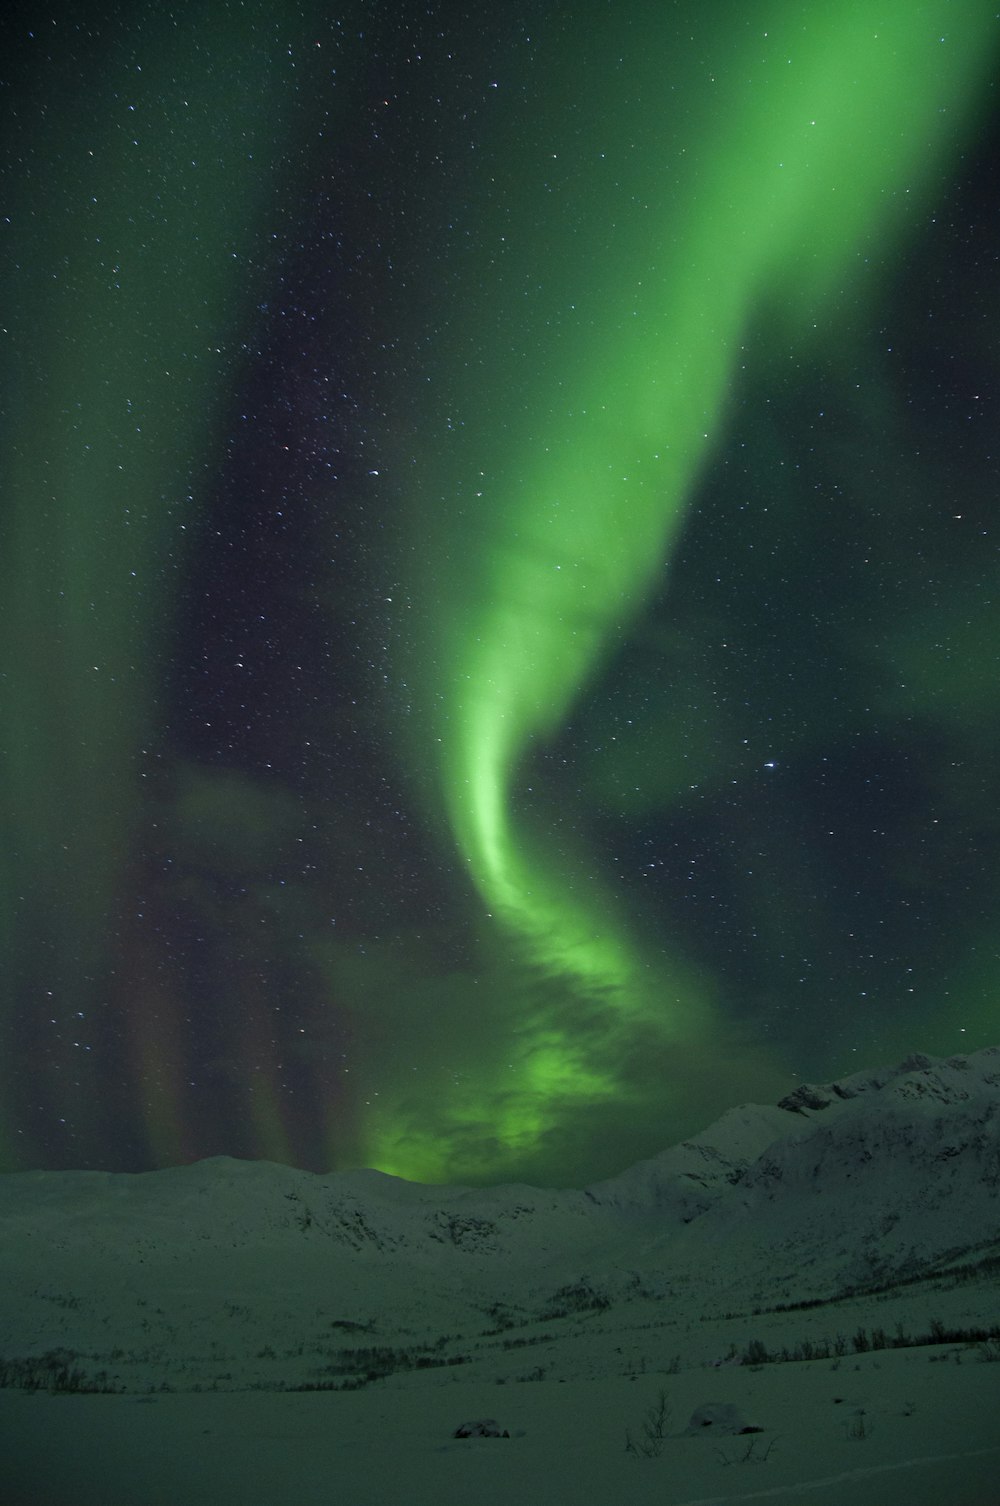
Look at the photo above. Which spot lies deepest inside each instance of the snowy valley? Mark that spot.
(822, 1273)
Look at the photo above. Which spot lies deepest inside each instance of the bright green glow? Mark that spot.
(488, 1118)
(821, 129)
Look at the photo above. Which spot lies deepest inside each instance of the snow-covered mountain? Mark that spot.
(869, 1180)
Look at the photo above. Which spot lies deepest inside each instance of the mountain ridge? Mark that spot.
(873, 1179)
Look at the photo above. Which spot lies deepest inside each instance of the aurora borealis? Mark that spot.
(499, 562)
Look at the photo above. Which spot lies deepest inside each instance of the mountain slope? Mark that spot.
(871, 1179)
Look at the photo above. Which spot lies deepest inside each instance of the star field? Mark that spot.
(498, 655)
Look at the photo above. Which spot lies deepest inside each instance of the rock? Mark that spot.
(485, 1427)
(720, 1417)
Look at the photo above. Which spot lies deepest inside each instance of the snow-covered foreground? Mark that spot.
(821, 1276)
(931, 1435)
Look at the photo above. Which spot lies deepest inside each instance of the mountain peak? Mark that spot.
(944, 1079)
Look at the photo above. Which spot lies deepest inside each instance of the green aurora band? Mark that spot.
(650, 188)
(822, 128)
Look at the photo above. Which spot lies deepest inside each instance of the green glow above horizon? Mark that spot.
(577, 293)
(824, 128)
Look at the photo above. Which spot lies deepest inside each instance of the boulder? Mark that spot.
(485, 1427)
(720, 1417)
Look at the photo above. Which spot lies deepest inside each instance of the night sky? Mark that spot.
(498, 645)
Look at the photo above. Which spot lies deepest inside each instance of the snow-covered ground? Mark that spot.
(827, 1269)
